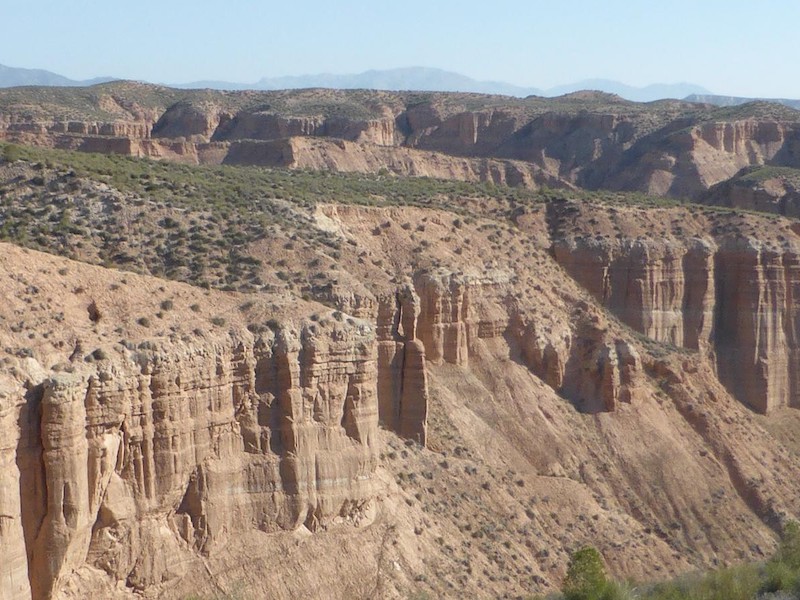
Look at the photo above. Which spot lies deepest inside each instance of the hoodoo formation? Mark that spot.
(370, 344)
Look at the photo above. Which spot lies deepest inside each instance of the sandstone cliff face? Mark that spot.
(686, 162)
(774, 192)
(459, 313)
(591, 140)
(728, 295)
(184, 447)
(570, 145)
(190, 121)
(348, 157)
(270, 126)
(468, 133)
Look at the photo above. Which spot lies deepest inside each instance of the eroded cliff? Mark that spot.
(722, 284)
(587, 139)
(448, 398)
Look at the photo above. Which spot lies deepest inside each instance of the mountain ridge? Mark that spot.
(398, 79)
(15, 76)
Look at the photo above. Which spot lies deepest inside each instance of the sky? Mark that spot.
(733, 47)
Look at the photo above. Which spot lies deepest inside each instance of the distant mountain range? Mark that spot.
(412, 78)
(428, 79)
(409, 78)
(12, 76)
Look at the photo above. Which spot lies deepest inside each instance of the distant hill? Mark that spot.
(737, 100)
(655, 91)
(12, 77)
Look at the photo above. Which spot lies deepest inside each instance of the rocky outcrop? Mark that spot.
(582, 362)
(183, 447)
(729, 295)
(589, 140)
(686, 161)
(764, 190)
(755, 335)
(14, 127)
(196, 122)
(402, 376)
(663, 289)
(570, 145)
(468, 133)
(267, 126)
(14, 581)
(352, 157)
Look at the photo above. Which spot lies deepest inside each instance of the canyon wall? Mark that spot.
(589, 140)
(768, 190)
(729, 294)
(131, 465)
(586, 356)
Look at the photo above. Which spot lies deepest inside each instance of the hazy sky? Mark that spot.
(731, 47)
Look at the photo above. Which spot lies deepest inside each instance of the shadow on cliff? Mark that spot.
(32, 484)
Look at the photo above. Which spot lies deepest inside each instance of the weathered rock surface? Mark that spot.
(133, 463)
(686, 162)
(273, 447)
(726, 292)
(765, 190)
(352, 157)
(186, 446)
(590, 140)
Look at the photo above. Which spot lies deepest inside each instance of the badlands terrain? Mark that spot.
(372, 344)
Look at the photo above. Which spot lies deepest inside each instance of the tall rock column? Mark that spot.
(750, 324)
(14, 582)
(443, 317)
(402, 378)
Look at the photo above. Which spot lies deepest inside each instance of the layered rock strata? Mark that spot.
(590, 140)
(184, 447)
(730, 296)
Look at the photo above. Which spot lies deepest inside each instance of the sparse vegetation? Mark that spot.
(586, 578)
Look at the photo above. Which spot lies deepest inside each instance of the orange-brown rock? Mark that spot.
(264, 434)
(761, 189)
(344, 156)
(165, 440)
(724, 292)
(590, 140)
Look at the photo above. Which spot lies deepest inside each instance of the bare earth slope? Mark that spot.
(444, 392)
(587, 139)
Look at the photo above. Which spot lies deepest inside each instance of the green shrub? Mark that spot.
(735, 583)
(782, 572)
(779, 576)
(789, 549)
(12, 152)
(586, 576)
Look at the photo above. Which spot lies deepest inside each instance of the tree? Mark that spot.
(789, 549)
(782, 572)
(586, 576)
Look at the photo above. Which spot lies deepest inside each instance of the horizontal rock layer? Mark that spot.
(731, 296)
(594, 141)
